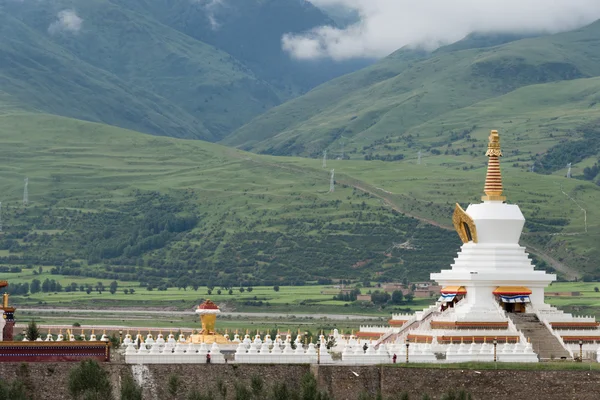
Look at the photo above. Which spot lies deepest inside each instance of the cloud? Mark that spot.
(211, 7)
(66, 21)
(387, 25)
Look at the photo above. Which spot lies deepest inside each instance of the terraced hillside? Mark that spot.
(112, 203)
(116, 204)
(539, 91)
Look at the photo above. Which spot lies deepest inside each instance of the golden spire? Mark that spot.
(493, 179)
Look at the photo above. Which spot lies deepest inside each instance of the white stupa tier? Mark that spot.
(495, 268)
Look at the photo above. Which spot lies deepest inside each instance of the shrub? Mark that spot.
(130, 389)
(89, 381)
(173, 384)
(33, 332)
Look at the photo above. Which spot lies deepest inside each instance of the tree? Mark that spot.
(230, 291)
(46, 285)
(257, 386)
(380, 298)
(276, 288)
(596, 289)
(36, 286)
(125, 291)
(130, 389)
(209, 292)
(113, 287)
(249, 289)
(409, 297)
(397, 297)
(173, 384)
(218, 291)
(14, 391)
(89, 381)
(32, 332)
(242, 290)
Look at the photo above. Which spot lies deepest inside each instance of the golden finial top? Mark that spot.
(493, 179)
(494, 145)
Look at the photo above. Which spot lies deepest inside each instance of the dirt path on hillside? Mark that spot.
(557, 265)
(569, 272)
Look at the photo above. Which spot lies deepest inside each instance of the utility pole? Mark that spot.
(332, 182)
(26, 193)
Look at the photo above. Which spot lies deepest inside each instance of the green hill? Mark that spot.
(158, 67)
(251, 31)
(405, 102)
(107, 203)
(116, 204)
(41, 75)
(120, 59)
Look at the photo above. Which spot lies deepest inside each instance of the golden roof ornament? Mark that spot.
(493, 179)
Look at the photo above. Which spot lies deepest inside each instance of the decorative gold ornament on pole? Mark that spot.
(493, 179)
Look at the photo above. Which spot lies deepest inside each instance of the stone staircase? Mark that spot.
(544, 343)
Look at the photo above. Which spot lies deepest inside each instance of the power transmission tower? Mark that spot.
(325, 159)
(0, 216)
(26, 193)
(332, 182)
(419, 158)
(343, 144)
(569, 170)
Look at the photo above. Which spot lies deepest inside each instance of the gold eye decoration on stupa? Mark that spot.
(464, 225)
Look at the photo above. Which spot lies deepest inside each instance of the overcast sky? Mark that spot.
(387, 25)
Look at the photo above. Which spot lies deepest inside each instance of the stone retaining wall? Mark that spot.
(49, 381)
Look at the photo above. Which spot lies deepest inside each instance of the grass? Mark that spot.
(289, 299)
(74, 165)
(174, 323)
(410, 101)
(133, 71)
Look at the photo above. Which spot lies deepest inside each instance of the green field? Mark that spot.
(308, 299)
(292, 307)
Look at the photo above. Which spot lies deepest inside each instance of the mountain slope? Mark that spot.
(41, 75)
(157, 66)
(138, 50)
(110, 203)
(251, 31)
(106, 202)
(411, 94)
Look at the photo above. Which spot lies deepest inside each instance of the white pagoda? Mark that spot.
(492, 294)
(491, 269)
